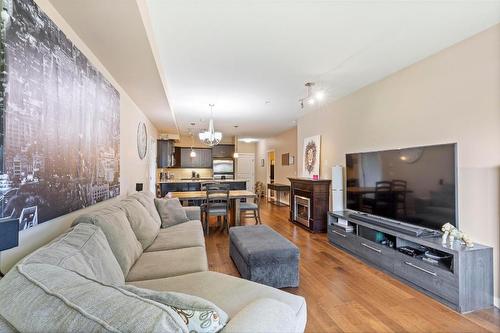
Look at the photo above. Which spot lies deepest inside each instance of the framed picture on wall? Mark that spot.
(262, 162)
(292, 160)
(312, 149)
(285, 159)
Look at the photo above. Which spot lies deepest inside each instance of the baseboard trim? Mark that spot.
(496, 302)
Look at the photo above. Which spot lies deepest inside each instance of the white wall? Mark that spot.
(285, 142)
(132, 169)
(453, 96)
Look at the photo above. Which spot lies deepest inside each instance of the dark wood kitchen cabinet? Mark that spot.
(223, 151)
(165, 153)
(203, 158)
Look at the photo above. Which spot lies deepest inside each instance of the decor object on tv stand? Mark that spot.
(309, 202)
(312, 149)
(68, 156)
(451, 233)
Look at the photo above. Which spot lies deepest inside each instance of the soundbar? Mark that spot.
(404, 229)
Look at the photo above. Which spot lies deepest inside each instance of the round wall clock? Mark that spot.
(142, 140)
(411, 155)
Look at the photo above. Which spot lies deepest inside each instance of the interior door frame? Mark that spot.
(267, 164)
(247, 156)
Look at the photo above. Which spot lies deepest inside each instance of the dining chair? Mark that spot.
(399, 188)
(216, 204)
(253, 207)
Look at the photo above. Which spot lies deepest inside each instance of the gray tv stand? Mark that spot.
(462, 281)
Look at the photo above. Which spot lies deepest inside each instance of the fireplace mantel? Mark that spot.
(318, 193)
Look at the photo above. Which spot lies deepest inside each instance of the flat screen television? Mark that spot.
(414, 185)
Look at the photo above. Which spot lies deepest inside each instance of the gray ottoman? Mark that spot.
(264, 256)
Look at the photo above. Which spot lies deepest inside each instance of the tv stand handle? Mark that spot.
(420, 268)
(339, 233)
(371, 248)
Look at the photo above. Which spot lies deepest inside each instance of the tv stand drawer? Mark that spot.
(432, 279)
(375, 253)
(341, 238)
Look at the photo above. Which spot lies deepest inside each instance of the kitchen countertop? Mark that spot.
(174, 181)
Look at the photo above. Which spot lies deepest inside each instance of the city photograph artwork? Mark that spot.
(60, 122)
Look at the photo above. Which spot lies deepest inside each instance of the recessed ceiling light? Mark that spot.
(267, 102)
(320, 95)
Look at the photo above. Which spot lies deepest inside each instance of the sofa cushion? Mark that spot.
(160, 264)
(143, 225)
(171, 212)
(47, 298)
(121, 238)
(6, 327)
(198, 314)
(179, 236)
(147, 200)
(230, 293)
(83, 249)
(262, 316)
(193, 212)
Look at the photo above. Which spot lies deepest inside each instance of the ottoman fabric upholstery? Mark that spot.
(262, 255)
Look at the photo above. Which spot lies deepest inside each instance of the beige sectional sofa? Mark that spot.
(75, 283)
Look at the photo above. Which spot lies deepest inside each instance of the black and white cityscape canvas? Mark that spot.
(60, 122)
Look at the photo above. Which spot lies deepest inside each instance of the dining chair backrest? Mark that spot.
(383, 190)
(216, 186)
(217, 197)
(399, 188)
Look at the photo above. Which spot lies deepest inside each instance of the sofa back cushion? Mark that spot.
(83, 249)
(118, 232)
(143, 225)
(147, 200)
(46, 298)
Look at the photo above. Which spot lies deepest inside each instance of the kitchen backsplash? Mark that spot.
(184, 173)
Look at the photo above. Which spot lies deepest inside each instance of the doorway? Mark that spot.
(245, 169)
(270, 171)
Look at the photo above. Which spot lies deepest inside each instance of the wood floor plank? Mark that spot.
(343, 294)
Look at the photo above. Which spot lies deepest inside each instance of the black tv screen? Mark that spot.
(414, 185)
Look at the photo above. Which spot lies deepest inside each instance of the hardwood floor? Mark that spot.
(345, 295)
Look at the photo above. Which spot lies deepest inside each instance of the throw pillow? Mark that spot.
(171, 212)
(200, 315)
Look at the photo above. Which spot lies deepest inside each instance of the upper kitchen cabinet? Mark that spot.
(203, 158)
(223, 151)
(165, 153)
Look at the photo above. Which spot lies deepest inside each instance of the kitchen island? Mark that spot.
(185, 185)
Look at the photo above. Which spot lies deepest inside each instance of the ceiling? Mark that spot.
(114, 31)
(252, 58)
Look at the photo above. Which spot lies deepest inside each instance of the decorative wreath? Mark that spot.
(310, 158)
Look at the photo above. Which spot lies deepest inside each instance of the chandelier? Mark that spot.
(210, 137)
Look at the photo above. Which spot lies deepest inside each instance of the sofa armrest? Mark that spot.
(193, 212)
(263, 315)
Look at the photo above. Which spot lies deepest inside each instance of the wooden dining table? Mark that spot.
(235, 196)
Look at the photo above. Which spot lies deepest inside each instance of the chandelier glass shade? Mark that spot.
(210, 137)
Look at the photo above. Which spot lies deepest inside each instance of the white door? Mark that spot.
(152, 165)
(245, 169)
